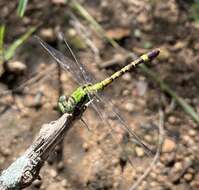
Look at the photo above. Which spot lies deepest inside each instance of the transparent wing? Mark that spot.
(66, 63)
(103, 118)
(132, 149)
(135, 138)
(86, 76)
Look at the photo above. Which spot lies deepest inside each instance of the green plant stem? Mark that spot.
(2, 34)
(9, 53)
(22, 7)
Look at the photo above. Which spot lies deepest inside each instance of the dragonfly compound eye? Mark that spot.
(62, 98)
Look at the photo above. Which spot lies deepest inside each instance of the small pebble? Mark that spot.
(153, 184)
(195, 184)
(85, 146)
(115, 161)
(129, 107)
(2, 160)
(188, 140)
(117, 171)
(53, 173)
(171, 119)
(64, 183)
(142, 18)
(126, 92)
(137, 33)
(5, 151)
(168, 158)
(178, 166)
(116, 185)
(179, 157)
(42, 187)
(164, 55)
(153, 175)
(148, 138)
(192, 133)
(127, 77)
(179, 45)
(141, 87)
(72, 32)
(191, 170)
(16, 67)
(53, 186)
(188, 177)
(139, 151)
(47, 34)
(37, 183)
(64, 78)
(60, 166)
(161, 179)
(168, 146)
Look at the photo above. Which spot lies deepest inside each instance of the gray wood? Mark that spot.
(22, 172)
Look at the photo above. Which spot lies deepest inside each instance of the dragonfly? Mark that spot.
(89, 90)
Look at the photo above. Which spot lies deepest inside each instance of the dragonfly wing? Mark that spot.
(100, 112)
(135, 138)
(87, 76)
(66, 63)
(126, 147)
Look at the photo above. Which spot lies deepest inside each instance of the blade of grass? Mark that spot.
(9, 53)
(194, 13)
(2, 34)
(22, 7)
(184, 105)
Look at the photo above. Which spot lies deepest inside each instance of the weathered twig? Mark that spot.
(25, 169)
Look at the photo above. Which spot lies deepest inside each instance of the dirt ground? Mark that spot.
(104, 158)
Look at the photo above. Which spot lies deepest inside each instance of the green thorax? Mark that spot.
(79, 94)
(75, 101)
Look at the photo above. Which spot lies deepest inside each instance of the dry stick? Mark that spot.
(25, 169)
(185, 106)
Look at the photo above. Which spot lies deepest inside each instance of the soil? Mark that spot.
(98, 159)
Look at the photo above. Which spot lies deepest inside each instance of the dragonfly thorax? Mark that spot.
(76, 101)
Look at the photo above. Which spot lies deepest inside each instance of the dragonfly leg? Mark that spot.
(88, 103)
(85, 124)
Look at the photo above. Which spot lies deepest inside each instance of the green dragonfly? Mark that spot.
(88, 90)
(83, 94)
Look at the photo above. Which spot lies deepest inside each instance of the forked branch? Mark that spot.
(26, 168)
